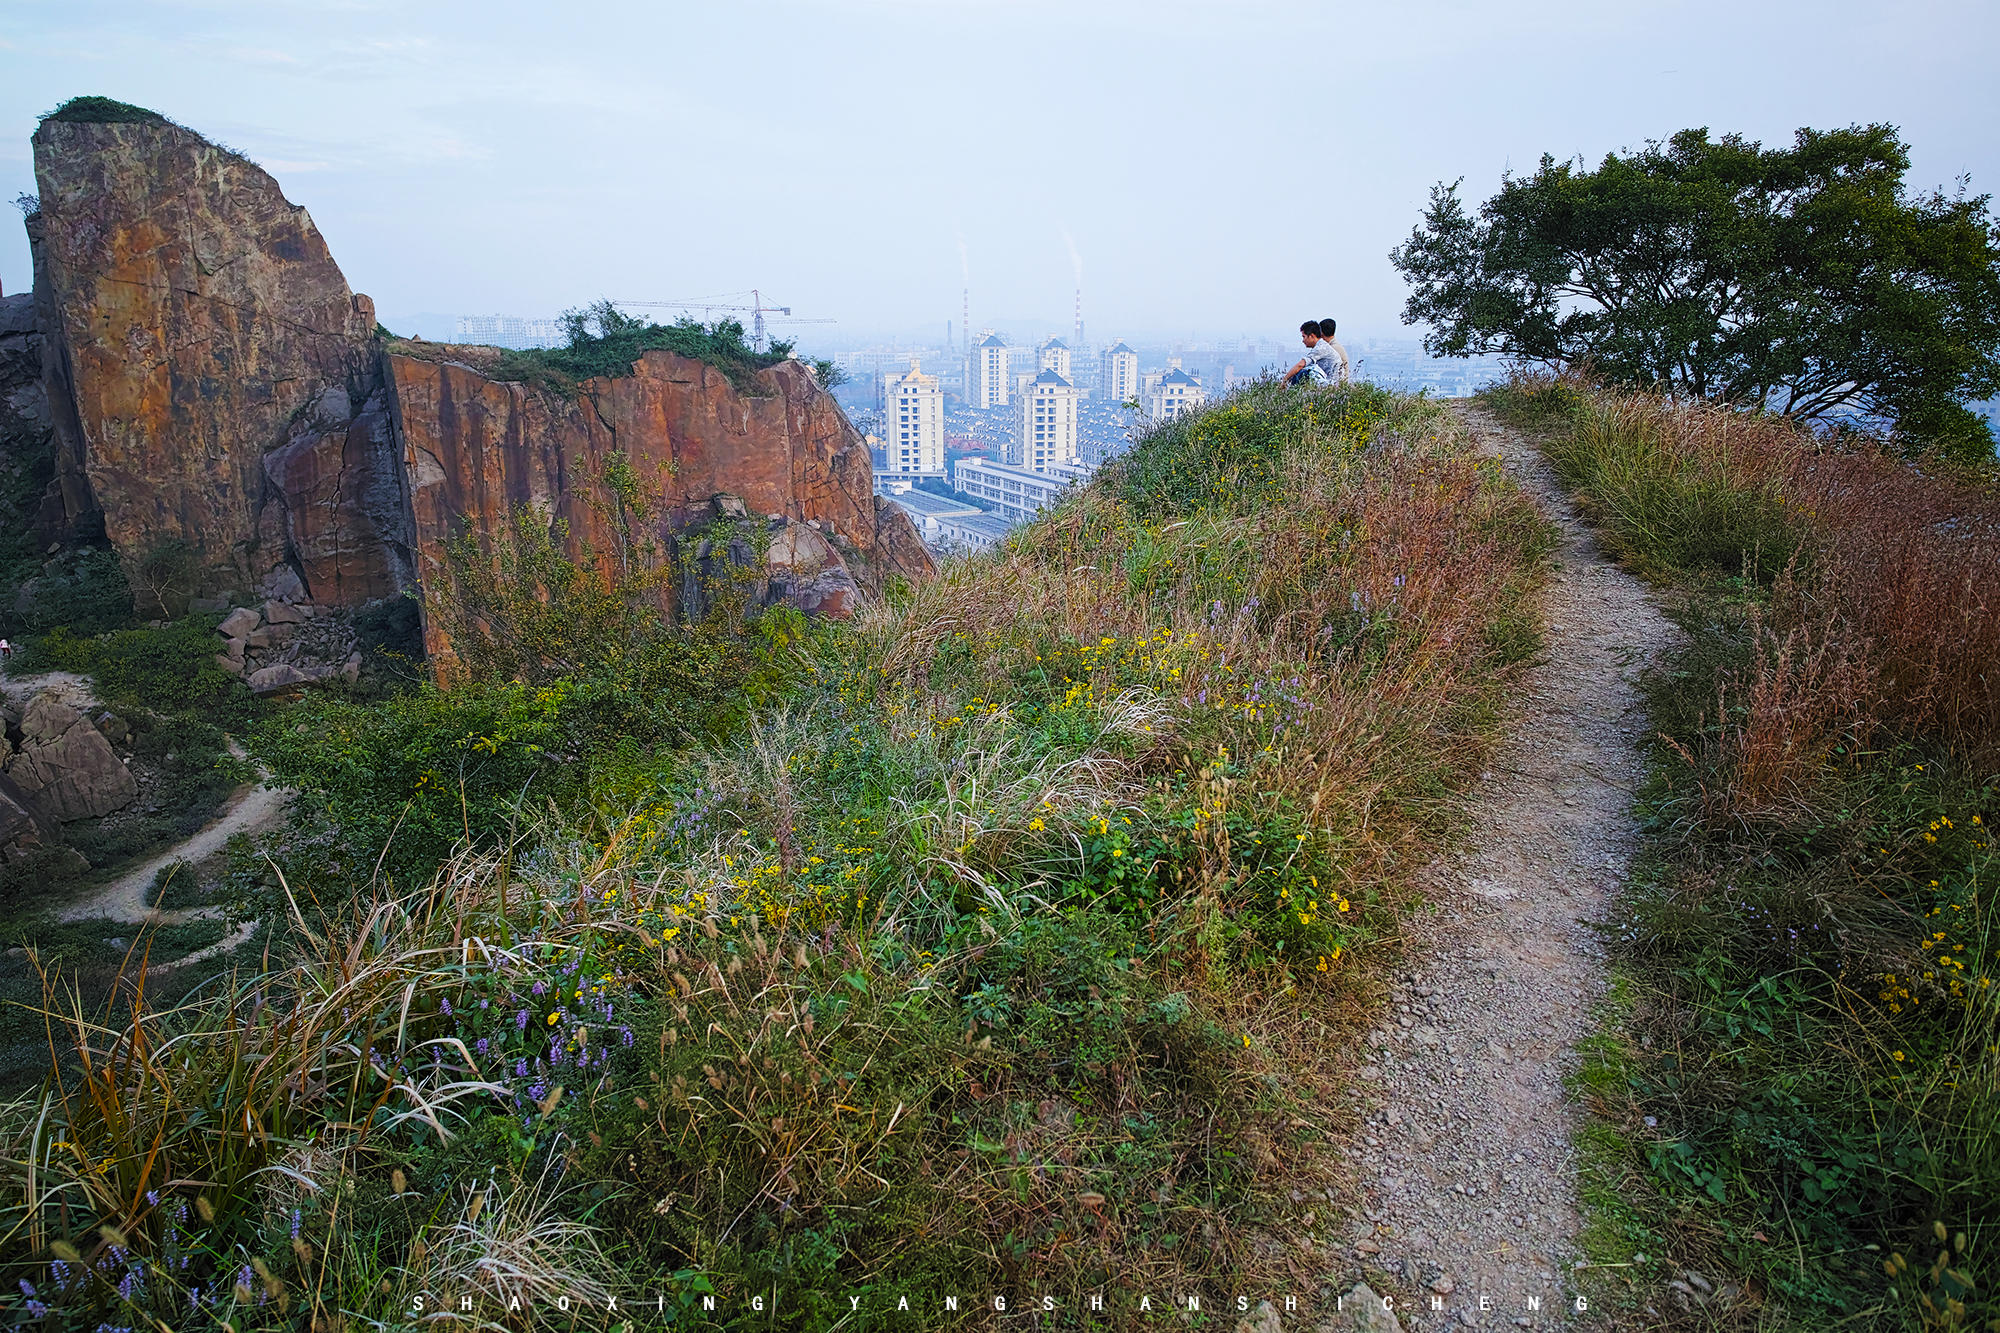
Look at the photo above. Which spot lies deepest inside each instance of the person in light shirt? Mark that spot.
(1335, 350)
(1318, 365)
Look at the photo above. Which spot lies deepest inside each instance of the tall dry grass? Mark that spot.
(1812, 929)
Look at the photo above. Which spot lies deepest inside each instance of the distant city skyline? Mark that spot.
(524, 160)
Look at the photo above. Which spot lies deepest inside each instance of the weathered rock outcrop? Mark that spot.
(211, 380)
(25, 434)
(476, 449)
(64, 767)
(202, 325)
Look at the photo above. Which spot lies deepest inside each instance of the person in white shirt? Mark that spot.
(1318, 365)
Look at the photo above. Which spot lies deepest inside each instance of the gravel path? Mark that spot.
(250, 809)
(1465, 1157)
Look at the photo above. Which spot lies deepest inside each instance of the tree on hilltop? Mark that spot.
(1804, 280)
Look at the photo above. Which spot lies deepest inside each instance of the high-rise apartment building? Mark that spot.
(1118, 373)
(988, 384)
(1048, 433)
(1055, 355)
(1177, 392)
(913, 424)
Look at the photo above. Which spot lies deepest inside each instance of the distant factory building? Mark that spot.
(1118, 373)
(1047, 435)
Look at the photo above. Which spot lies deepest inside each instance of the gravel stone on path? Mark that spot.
(1466, 1154)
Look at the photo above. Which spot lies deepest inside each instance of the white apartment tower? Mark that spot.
(913, 428)
(1177, 392)
(1055, 355)
(1048, 423)
(988, 385)
(1118, 377)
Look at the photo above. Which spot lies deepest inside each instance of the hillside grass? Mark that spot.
(1797, 1083)
(1016, 946)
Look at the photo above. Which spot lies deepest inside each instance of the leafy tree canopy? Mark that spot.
(1802, 279)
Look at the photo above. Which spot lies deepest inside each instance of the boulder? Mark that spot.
(271, 636)
(239, 623)
(807, 572)
(47, 718)
(282, 584)
(234, 649)
(18, 822)
(350, 670)
(233, 665)
(65, 767)
(283, 613)
(277, 676)
(112, 727)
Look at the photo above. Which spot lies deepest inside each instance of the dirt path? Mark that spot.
(1466, 1159)
(250, 808)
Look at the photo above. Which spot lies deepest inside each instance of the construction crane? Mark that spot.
(757, 311)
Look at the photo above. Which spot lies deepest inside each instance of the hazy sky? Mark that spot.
(1215, 167)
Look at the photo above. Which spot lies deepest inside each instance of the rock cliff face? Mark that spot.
(25, 435)
(477, 449)
(201, 327)
(209, 379)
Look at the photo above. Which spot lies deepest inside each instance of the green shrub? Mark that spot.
(1232, 454)
(83, 591)
(604, 342)
(105, 111)
(169, 670)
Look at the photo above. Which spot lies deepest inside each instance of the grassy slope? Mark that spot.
(1797, 1075)
(1017, 951)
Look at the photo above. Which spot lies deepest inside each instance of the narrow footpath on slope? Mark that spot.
(251, 808)
(1466, 1159)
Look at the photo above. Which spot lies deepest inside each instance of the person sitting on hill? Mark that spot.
(1317, 365)
(1336, 351)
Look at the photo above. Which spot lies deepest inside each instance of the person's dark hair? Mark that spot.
(1310, 326)
(1326, 328)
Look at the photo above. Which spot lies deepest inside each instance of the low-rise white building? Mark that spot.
(1015, 494)
(930, 511)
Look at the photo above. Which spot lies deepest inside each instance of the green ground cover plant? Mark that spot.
(1800, 1079)
(978, 956)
